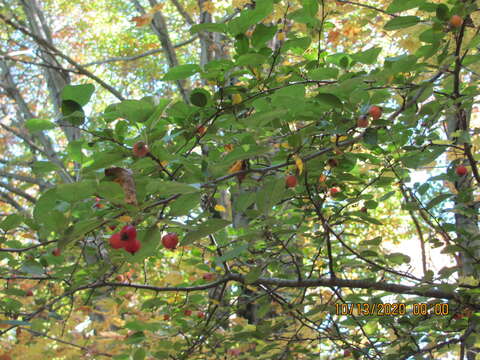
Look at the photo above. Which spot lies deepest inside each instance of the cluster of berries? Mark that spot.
(126, 239)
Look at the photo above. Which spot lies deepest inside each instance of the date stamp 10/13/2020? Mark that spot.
(392, 309)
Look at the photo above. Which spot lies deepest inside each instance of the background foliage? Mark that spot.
(231, 98)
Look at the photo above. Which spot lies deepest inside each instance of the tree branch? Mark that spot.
(139, 56)
(80, 68)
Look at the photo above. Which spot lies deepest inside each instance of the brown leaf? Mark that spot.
(125, 179)
(237, 166)
(143, 20)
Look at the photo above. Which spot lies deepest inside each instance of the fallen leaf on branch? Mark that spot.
(124, 177)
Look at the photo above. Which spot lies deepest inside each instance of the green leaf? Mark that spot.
(398, 258)
(474, 42)
(323, 73)
(210, 226)
(243, 201)
(250, 17)
(368, 57)
(232, 254)
(253, 275)
(331, 100)
(136, 338)
(44, 206)
(416, 160)
(76, 191)
(210, 27)
(34, 125)
(310, 7)
(139, 354)
(15, 322)
(185, 204)
(442, 12)
(298, 44)
(104, 159)
(251, 59)
(262, 34)
(401, 22)
(111, 191)
(371, 136)
(73, 112)
(135, 110)
(170, 188)
(263, 118)
(403, 63)
(79, 230)
(200, 97)
(386, 196)
(41, 167)
(80, 94)
(242, 44)
(11, 222)
(181, 72)
(402, 5)
(155, 117)
(270, 194)
(32, 267)
(437, 200)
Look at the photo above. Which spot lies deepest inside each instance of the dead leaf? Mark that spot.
(125, 179)
(333, 36)
(208, 7)
(143, 20)
(237, 166)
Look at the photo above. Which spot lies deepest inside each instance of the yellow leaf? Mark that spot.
(220, 208)
(441, 142)
(174, 278)
(299, 163)
(118, 322)
(236, 99)
(208, 7)
(236, 167)
(125, 219)
(164, 163)
(143, 20)
(286, 145)
(468, 280)
(281, 36)
(156, 8)
(240, 3)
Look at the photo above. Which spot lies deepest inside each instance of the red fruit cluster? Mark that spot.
(334, 191)
(98, 204)
(290, 181)
(208, 276)
(456, 21)
(375, 112)
(201, 130)
(126, 239)
(170, 241)
(461, 170)
(140, 149)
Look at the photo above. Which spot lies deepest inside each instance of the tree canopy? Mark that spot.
(254, 179)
